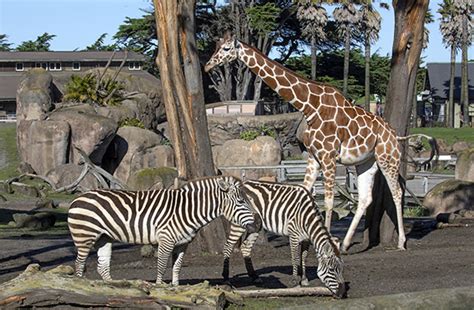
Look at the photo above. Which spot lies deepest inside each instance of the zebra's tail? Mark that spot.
(433, 145)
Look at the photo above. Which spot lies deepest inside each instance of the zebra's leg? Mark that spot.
(104, 253)
(304, 253)
(82, 254)
(165, 248)
(246, 249)
(235, 234)
(365, 182)
(177, 257)
(294, 244)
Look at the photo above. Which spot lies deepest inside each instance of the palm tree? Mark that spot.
(464, 10)
(450, 30)
(370, 21)
(313, 18)
(4, 45)
(346, 17)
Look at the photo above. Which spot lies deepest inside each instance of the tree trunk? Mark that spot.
(367, 73)
(184, 100)
(407, 46)
(450, 108)
(314, 57)
(347, 49)
(464, 75)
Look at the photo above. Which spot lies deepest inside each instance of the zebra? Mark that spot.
(167, 218)
(289, 210)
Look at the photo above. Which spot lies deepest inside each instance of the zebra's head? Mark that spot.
(330, 268)
(226, 51)
(236, 207)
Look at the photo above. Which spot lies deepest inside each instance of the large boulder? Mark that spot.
(128, 109)
(135, 148)
(152, 178)
(44, 144)
(263, 151)
(450, 196)
(34, 95)
(64, 175)
(465, 165)
(89, 131)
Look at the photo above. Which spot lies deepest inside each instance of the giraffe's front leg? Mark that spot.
(328, 165)
(312, 170)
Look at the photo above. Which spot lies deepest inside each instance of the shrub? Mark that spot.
(84, 89)
(134, 122)
(252, 134)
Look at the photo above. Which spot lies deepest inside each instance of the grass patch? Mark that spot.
(449, 135)
(416, 211)
(8, 151)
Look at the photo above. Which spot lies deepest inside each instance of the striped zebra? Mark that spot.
(167, 218)
(289, 210)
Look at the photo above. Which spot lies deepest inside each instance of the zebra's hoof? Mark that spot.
(304, 282)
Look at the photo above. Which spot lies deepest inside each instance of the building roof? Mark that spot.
(438, 81)
(68, 56)
(8, 84)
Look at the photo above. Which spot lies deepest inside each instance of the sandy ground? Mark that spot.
(434, 259)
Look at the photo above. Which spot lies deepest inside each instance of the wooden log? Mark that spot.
(285, 292)
(59, 287)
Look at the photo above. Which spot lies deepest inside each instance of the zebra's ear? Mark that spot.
(223, 185)
(336, 242)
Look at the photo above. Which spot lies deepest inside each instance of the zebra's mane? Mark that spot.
(230, 179)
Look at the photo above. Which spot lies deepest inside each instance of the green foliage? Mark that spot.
(99, 45)
(263, 17)
(41, 44)
(330, 68)
(449, 135)
(4, 45)
(417, 211)
(252, 134)
(133, 122)
(9, 150)
(83, 89)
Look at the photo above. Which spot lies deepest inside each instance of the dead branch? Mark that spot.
(101, 75)
(285, 292)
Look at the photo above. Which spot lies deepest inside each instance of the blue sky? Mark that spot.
(78, 23)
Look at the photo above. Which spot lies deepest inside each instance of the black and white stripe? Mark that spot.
(168, 218)
(289, 210)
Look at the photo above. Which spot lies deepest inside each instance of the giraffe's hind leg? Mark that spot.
(365, 182)
(391, 175)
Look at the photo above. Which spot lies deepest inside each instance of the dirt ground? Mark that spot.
(435, 259)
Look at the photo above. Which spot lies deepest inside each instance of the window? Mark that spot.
(134, 65)
(43, 65)
(55, 66)
(76, 66)
(20, 66)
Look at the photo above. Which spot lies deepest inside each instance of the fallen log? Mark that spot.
(59, 287)
(285, 292)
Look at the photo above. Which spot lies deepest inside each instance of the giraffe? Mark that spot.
(337, 131)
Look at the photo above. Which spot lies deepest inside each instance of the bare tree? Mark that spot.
(406, 51)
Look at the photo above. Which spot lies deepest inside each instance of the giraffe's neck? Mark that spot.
(289, 85)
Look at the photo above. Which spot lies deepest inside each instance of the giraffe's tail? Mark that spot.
(431, 141)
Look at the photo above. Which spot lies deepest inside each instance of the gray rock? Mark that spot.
(66, 174)
(157, 156)
(34, 95)
(89, 131)
(128, 109)
(147, 251)
(465, 165)
(24, 189)
(42, 220)
(24, 167)
(450, 196)
(44, 144)
(128, 147)
(263, 151)
(460, 146)
(152, 178)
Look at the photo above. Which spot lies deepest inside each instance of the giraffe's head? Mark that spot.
(226, 51)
